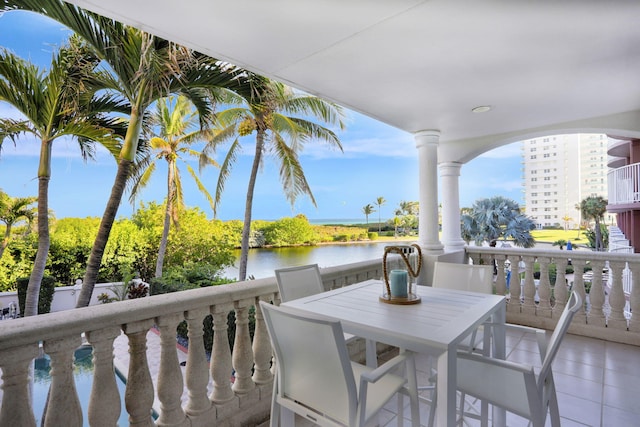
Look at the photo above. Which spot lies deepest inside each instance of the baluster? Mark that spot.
(529, 306)
(596, 295)
(617, 299)
(475, 258)
(277, 301)
(634, 298)
(16, 364)
(170, 383)
(560, 291)
(242, 353)
(501, 281)
(544, 288)
(197, 370)
(138, 396)
(63, 406)
(261, 349)
(220, 365)
(104, 401)
(578, 286)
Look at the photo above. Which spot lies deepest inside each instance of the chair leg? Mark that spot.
(554, 411)
(371, 354)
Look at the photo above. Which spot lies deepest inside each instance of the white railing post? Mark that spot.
(529, 307)
(16, 363)
(197, 371)
(221, 355)
(617, 299)
(138, 396)
(596, 295)
(242, 356)
(170, 382)
(634, 296)
(63, 407)
(544, 288)
(104, 401)
(261, 349)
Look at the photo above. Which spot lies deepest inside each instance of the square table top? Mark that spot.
(439, 322)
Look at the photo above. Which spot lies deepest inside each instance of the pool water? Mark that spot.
(83, 373)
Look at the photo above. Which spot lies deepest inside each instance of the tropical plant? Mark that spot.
(140, 68)
(282, 120)
(561, 243)
(57, 103)
(12, 211)
(174, 129)
(495, 218)
(368, 210)
(380, 201)
(594, 208)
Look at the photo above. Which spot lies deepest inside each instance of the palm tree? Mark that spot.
(380, 201)
(175, 125)
(142, 68)
(12, 211)
(594, 207)
(368, 210)
(54, 105)
(280, 118)
(495, 218)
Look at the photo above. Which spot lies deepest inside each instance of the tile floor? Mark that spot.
(598, 383)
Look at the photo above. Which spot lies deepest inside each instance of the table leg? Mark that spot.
(499, 340)
(447, 381)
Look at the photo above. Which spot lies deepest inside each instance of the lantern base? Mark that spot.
(411, 298)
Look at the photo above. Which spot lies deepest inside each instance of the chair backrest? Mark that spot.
(313, 363)
(463, 277)
(299, 282)
(572, 307)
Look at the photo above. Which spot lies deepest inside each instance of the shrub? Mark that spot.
(372, 235)
(47, 289)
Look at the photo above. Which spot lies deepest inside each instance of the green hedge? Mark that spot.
(47, 289)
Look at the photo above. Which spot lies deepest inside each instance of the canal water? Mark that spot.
(263, 262)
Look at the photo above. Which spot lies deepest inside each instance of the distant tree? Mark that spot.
(12, 211)
(409, 208)
(380, 201)
(175, 128)
(55, 103)
(594, 207)
(368, 210)
(561, 243)
(496, 218)
(566, 219)
(283, 121)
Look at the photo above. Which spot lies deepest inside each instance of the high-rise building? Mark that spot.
(559, 172)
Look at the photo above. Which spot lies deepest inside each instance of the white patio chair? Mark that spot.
(465, 277)
(316, 379)
(514, 386)
(462, 277)
(305, 280)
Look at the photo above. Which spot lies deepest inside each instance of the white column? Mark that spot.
(451, 235)
(427, 145)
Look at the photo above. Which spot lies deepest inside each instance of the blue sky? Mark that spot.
(378, 161)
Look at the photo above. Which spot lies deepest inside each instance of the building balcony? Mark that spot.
(596, 374)
(624, 187)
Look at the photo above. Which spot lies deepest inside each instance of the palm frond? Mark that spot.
(292, 176)
(225, 170)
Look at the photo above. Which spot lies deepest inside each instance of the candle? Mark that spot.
(398, 283)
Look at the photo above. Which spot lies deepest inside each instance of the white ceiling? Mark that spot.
(543, 66)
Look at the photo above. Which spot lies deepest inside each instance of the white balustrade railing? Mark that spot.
(244, 401)
(212, 398)
(610, 300)
(624, 184)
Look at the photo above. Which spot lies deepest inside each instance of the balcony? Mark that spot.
(596, 376)
(624, 185)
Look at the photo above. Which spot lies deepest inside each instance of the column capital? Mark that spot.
(450, 168)
(424, 137)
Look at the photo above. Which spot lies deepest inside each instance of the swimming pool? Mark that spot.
(83, 373)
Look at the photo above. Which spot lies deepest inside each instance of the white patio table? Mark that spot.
(434, 326)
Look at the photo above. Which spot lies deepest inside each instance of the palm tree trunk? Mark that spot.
(127, 156)
(109, 216)
(167, 222)
(5, 241)
(35, 280)
(246, 227)
(599, 243)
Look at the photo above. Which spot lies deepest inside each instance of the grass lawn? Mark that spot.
(551, 236)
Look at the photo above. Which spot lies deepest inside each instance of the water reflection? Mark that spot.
(262, 262)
